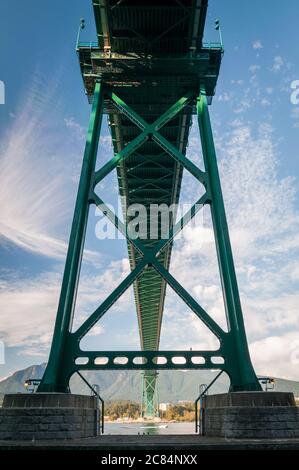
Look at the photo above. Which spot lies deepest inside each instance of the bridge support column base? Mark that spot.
(253, 415)
(48, 416)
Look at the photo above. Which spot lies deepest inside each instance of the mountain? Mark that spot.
(124, 385)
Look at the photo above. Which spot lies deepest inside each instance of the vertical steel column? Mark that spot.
(56, 378)
(149, 405)
(242, 373)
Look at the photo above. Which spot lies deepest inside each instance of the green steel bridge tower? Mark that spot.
(150, 71)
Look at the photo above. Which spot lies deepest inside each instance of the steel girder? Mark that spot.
(149, 396)
(135, 74)
(66, 356)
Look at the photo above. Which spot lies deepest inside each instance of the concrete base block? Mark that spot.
(48, 416)
(252, 415)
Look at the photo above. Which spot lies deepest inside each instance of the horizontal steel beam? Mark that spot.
(149, 360)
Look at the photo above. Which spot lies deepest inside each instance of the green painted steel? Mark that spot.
(149, 397)
(244, 373)
(54, 379)
(150, 72)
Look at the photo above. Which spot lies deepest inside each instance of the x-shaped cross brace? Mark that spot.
(149, 255)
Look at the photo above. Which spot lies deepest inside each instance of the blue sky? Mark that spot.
(42, 130)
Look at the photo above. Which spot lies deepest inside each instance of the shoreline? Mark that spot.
(144, 421)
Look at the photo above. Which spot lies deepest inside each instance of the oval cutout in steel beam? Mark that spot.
(121, 360)
(101, 361)
(81, 361)
(159, 360)
(217, 360)
(139, 360)
(178, 360)
(198, 360)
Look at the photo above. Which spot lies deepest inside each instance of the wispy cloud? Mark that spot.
(254, 67)
(28, 312)
(264, 227)
(28, 306)
(278, 62)
(78, 130)
(39, 170)
(31, 182)
(278, 354)
(257, 44)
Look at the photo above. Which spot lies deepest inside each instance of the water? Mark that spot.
(150, 428)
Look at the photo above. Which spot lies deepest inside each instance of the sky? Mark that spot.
(42, 135)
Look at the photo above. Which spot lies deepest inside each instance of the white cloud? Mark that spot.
(28, 313)
(96, 286)
(36, 177)
(28, 306)
(265, 102)
(264, 227)
(257, 44)
(277, 355)
(277, 63)
(34, 202)
(254, 67)
(224, 97)
(237, 82)
(78, 130)
(243, 105)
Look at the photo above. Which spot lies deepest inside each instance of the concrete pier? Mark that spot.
(251, 415)
(233, 420)
(48, 416)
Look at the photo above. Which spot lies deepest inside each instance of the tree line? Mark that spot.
(131, 410)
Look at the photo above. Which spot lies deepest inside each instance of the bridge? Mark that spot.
(153, 75)
(150, 72)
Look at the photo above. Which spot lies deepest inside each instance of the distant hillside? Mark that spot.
(121, 385)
